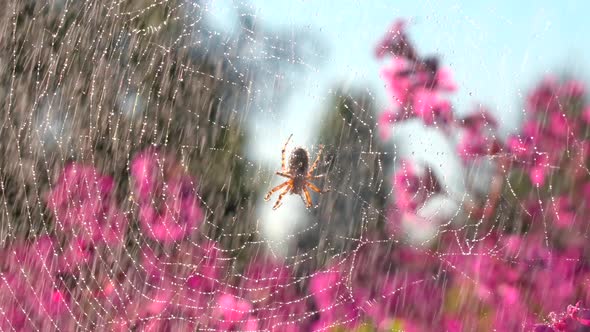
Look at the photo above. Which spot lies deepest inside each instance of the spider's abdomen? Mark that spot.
(299, 162)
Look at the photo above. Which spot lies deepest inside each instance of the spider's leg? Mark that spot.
(316, 176)
(278, 202)
(283, 157)
(315, 188)
(285, 175)
(275, 189)
(317, 160)
(308, 203)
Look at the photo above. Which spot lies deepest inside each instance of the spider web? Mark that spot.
(139, 137)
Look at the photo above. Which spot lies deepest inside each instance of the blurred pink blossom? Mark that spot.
(395, 42)
(334, 303)
(429, 107)
(235, 314)
(169, 206)
(82, 200)
(413, 184)
(479, 136)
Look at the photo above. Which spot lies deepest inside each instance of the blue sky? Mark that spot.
(496, 50)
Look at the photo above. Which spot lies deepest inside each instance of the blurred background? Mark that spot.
(139, 139)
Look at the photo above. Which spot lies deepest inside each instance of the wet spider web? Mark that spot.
(132, 180)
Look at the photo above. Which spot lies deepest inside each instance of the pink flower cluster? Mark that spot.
(556, 125)
(574, 319)
(83, 204)
(45, 280)
(168, 203)
(478, 136)
(413, 184)
(416, 85)
(190, 289)
(495, 277)
(334, 301)
(28, 298)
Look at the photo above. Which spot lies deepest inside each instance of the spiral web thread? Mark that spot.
(93, 88)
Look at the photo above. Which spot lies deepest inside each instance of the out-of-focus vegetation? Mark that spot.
(127, 201)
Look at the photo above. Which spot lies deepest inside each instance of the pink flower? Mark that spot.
(266, 280)
(111, 293)
(391, 283)
(40, 254)
(573, 89)
(586, 115)
(324, 286)
(564, 212)
(235, 313)
(479, 137)
(396, 43)
(205, 279)
(414, 84)
(398, 80)
(480, 119)
(12, 317)
(77, 253)
(559, 125)
(159, 301)
(79, 182)
(186, 280)
(585, 193)
(81, 200)
(36, 292)
(581, 315)
(209, 268)
(413, 185)
(537, 175)
(231, 308)
(169, 208)
(387, 119)
(476, 144)
(145, 168)
(535, 150)
(575, 319)
(520, 147)
(335, 305)
(543, 97)
(509, 294)
(444, 80)
(174, 220)
(453, 325)
(271, 288)
(431, 109)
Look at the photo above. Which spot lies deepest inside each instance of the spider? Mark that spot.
(298, 174)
